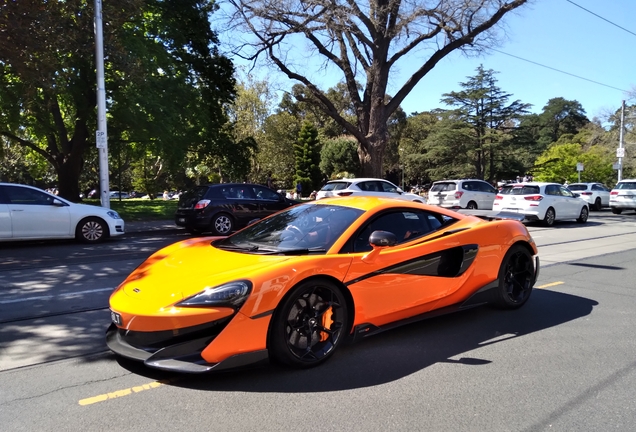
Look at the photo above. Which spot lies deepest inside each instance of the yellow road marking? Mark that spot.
(550, 284)
(122, 393)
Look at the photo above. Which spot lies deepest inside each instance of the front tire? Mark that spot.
(516, 278)
(308, 325)
(617, 210)
(91, 230)
(471, 205)
(583, 215)
(222, 224)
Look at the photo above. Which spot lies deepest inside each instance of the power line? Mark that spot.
(598, 16)
(558, 70)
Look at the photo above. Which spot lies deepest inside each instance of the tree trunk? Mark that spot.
(372, 155)
(68, 174)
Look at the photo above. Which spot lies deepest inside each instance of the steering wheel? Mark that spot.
(296, 233)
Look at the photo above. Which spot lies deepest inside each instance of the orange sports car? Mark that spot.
(296, 285)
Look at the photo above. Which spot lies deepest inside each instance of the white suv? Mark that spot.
(596, 194)
(456, 194)
(623, 196)
(365, 187)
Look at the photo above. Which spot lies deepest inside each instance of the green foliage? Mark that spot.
(339, 155)
(558, 164)
(307, 156)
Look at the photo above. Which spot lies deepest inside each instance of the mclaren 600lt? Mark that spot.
(294, 286)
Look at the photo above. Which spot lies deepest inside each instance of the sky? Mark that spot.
(557, 34)
(553, 33)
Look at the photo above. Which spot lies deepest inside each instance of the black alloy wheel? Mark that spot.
(583, 215)
(91, 230)
(550, 217)
(309, 325)
(222, 224)
(516, 278)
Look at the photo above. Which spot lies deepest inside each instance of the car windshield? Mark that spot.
(307, 228)
(626, 185)
(577, 187)
(443, 187)
(519, 190)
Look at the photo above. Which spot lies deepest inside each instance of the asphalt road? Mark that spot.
(565, 361)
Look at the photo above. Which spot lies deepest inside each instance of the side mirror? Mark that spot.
(382, 239)
(58, 203)
(399, 190)
(576, 195)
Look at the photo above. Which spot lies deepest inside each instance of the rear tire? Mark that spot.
(471, 205)
(550, 217)
(516, 278)
(222, 224)
(583, 215)
(308, 325)
(597, 204)
(617, 210)
(92, 230)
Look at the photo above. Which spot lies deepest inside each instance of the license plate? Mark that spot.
(116, 318)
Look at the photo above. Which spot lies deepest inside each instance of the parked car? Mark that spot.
(29, 213)
(546, 202)
(597, 195)
(119, 195)
(623, 196)
(222, 208)
(295, 286)
(462, 194)
(366, 187)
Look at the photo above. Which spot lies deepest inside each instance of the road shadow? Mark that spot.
(564, 224)
(398, 353)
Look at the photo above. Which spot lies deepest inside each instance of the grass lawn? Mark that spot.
(140, 209)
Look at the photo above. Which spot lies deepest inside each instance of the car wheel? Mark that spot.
(309, 324)
(584, 214)
(550, 217)
(91, 230)
(617, 210)
(472, 205)
(222, 224)
(516, 278)
(597, 204)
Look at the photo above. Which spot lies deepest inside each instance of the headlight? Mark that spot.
(113, 214)
(231, 294)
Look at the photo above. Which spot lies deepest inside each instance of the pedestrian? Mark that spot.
(270, 181)
(299, 190)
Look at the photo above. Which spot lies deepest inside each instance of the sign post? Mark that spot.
(579, 168)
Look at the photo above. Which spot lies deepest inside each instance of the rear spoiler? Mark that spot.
(493, 214)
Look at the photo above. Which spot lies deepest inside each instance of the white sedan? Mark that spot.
(366, 187)
(546, 202)
(29, 213)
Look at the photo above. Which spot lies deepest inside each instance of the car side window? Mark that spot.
(387, 187)
(598, 188)
(468, 186)
(20, 195)
(565, 192)
(407, 225)
(265, 194)
(552, 190)
(486, 187)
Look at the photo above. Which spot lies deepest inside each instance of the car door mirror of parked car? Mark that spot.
(399, 190)
(58, 203)
(576, 195)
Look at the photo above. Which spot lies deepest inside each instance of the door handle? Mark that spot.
(17, 210)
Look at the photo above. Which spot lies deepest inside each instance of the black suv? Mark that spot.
(222, 208)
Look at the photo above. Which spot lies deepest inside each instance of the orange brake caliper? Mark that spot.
(326, 323)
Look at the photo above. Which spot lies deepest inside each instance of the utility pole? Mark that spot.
(101, 135)
(620, 152)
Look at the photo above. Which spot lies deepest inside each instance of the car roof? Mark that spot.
(355, 180)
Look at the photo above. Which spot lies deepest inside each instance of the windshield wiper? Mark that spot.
(237, 248)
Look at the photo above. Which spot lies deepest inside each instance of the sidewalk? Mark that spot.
(151, 226)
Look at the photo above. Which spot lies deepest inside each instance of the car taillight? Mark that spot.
(586, 193)
(201, 204)
(498, 197)
(613, 193)
(533, 198)
(458, 194)
(344, 193)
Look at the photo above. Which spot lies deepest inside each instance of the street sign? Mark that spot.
(579, 166)
(620, 152)
(616, 166)
(100, 139)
